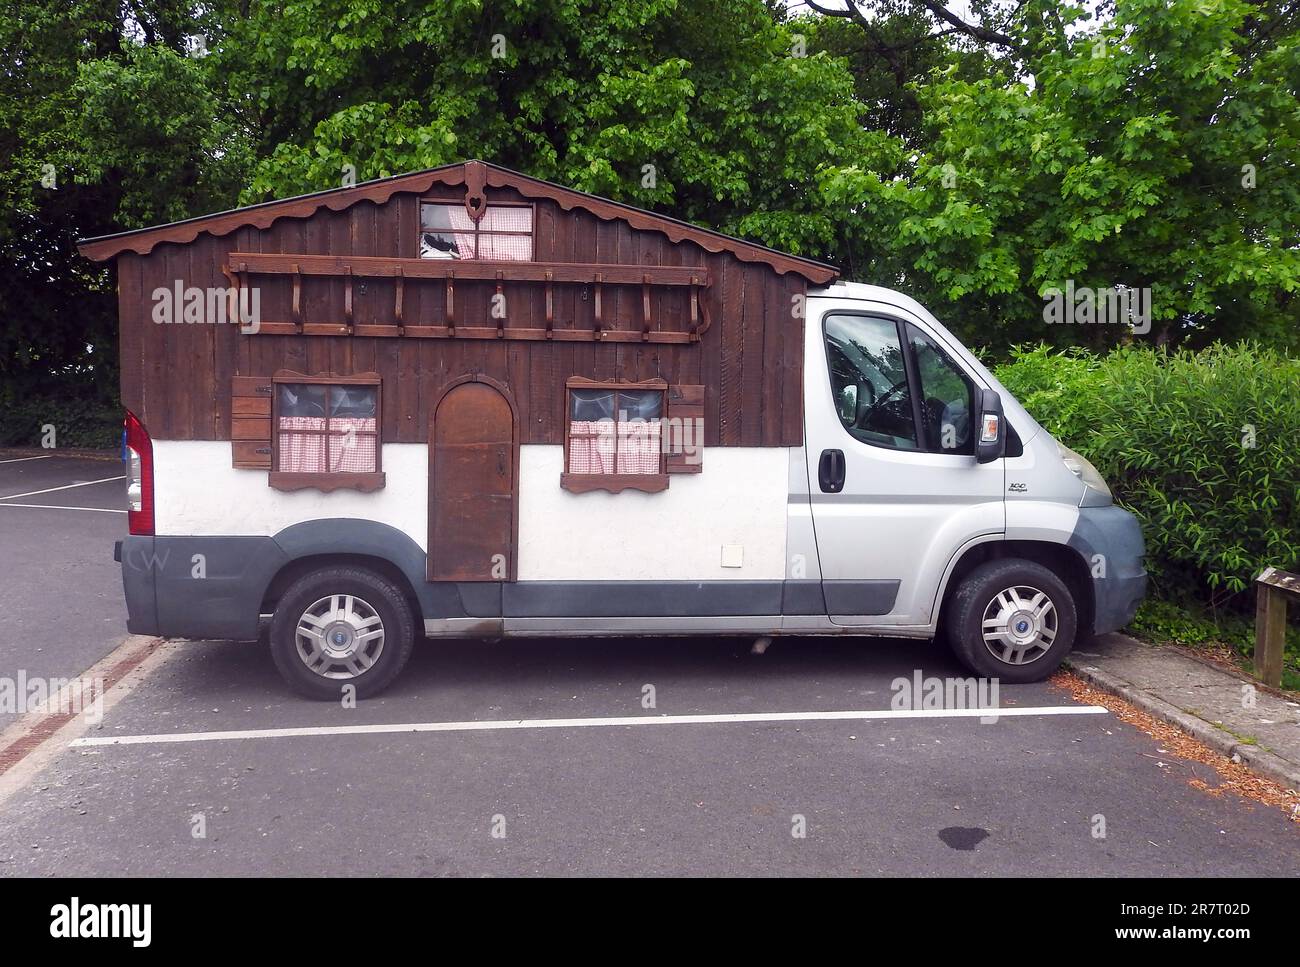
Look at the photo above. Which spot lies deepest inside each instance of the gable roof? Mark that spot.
(142, 240)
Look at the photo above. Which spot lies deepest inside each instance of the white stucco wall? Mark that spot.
(676, 535)
(736, 507)
(197, 491)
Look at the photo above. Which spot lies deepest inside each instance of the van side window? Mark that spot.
(326, 434)
(947, 397)
(612, 436)
(869, 380)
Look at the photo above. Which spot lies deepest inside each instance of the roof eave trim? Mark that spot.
(264, 214)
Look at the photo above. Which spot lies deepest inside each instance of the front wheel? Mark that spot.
(339, 627)
(1013, 620)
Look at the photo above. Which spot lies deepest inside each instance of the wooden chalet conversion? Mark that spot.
(466, 308)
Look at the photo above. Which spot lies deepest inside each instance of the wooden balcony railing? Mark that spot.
(242, 266)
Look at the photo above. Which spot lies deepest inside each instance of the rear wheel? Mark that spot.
(1012, 619)
(339, 627)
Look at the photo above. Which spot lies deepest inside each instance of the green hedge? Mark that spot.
(1203, 447)
(77, 422)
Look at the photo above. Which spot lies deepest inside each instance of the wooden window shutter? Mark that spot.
(250, 422)
(685, 411)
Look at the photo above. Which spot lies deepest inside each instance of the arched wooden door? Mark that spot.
(473, 484)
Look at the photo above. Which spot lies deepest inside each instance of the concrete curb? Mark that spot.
(1253, 757)
(40, 736)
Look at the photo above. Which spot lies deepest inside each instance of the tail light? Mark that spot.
(139, 476)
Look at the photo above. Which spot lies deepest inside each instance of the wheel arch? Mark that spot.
(1061, 559)
(378, 547)
(300, 566)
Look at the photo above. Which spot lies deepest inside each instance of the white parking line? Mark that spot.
(97, 510)
(50, 490)
(509, 724)
(21, 459)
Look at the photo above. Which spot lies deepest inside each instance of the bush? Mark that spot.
(1056, 388)
(77, 422)
(1203, 447)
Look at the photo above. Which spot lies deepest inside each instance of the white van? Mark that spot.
(383, 468)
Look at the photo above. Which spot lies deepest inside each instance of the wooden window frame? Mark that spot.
(581, 483)
(326, 481)
(476, 231)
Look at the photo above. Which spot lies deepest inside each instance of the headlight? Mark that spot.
(1098, 494)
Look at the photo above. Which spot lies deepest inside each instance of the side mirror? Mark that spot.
(992, 442)
(849, 401)
(866, 396)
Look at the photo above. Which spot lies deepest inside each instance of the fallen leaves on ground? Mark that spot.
(1234, 777)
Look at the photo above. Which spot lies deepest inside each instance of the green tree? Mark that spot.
(1158, 149)
(888, 80)
(106, 122)
(703, 109)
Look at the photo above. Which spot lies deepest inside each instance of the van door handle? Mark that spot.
(830, 471)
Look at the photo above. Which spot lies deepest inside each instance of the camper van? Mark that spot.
(465, 402)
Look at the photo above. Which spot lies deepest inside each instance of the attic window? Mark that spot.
(505, 232)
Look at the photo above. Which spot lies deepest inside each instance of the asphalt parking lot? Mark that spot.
(62, 593)
(321, 789)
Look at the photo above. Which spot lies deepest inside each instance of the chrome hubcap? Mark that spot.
(1019, 625)
(340, 636)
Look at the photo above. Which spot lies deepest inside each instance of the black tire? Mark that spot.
(979, 593)
(372, 596)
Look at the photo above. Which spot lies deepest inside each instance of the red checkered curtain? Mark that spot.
(516, 246)
(593, 449)
(352, 443)
(591, 446)
(441, 225)
(463, 231)
(638, 447)
(302, 452)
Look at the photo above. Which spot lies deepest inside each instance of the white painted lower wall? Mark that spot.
(735, 507)
(739, 500)
(197, 492)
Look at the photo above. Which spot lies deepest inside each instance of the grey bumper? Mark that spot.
(134, 555)
(1110, 540)
(197, 587)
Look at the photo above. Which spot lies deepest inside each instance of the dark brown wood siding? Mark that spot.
(177, 377)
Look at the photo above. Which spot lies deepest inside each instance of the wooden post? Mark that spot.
(550, 309)
(451, 304)
(501, 304)
(1273, 587)
(397, 307)
(645, 308)
(297, 299)
(347, 297)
